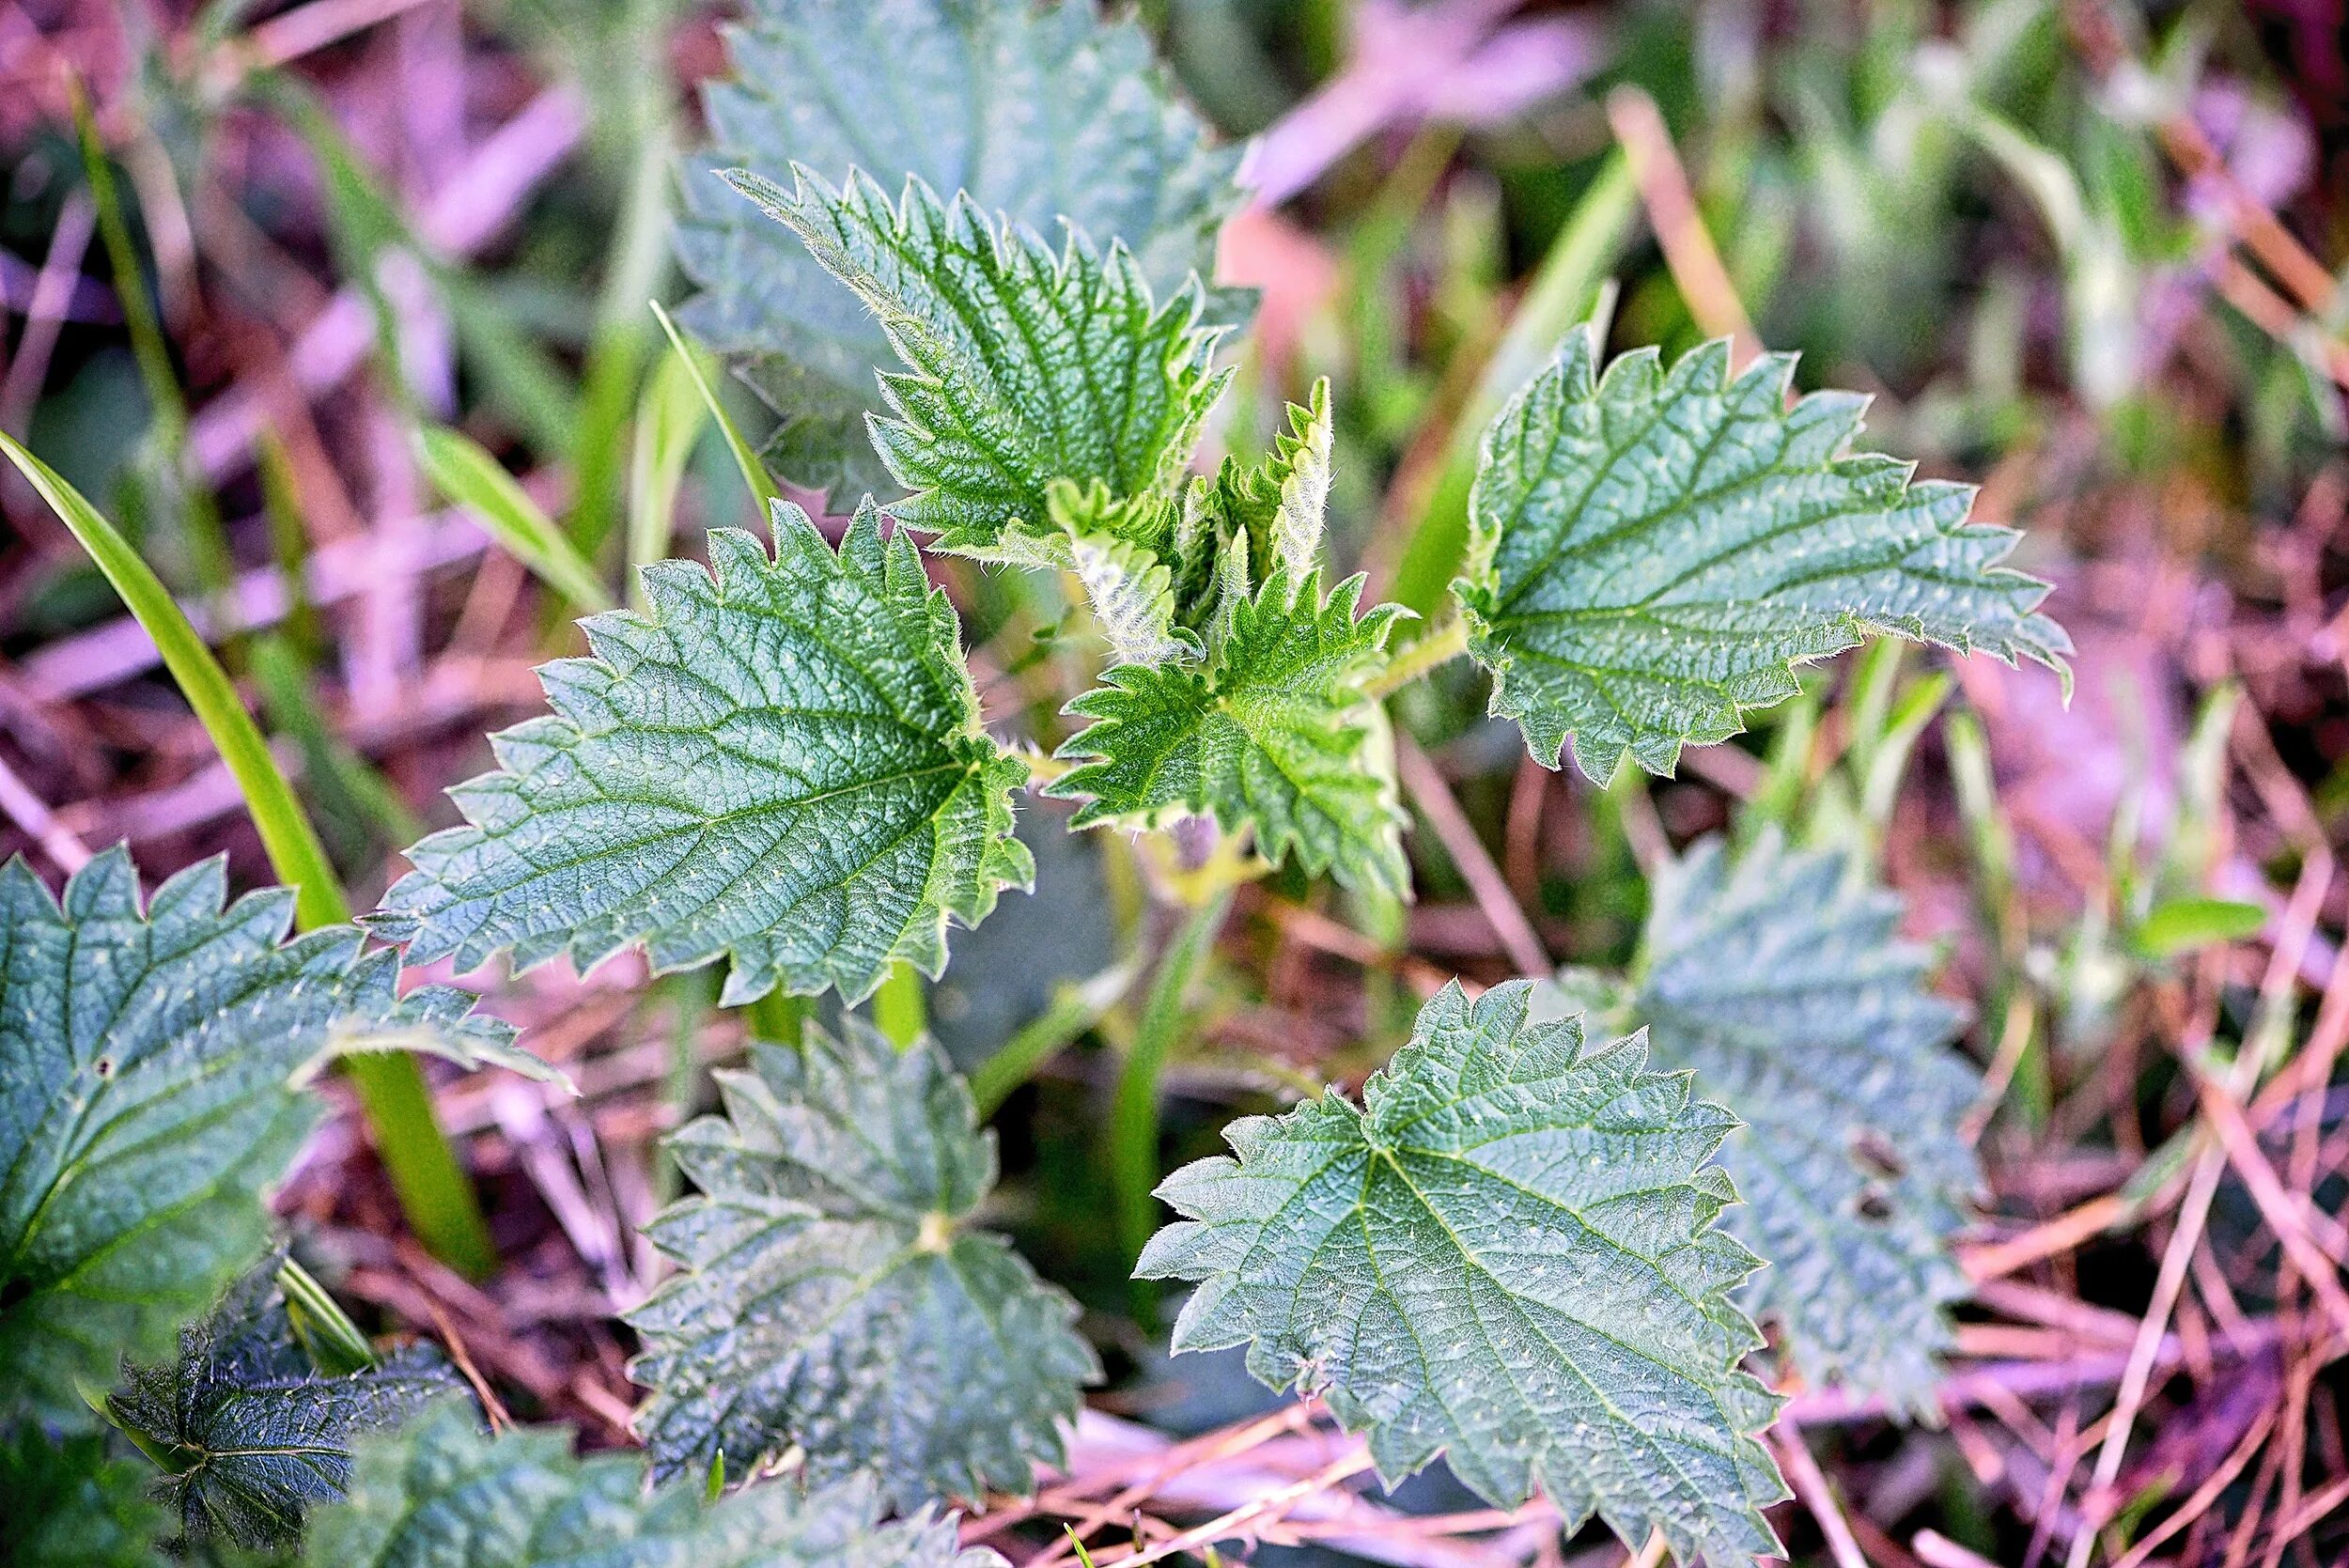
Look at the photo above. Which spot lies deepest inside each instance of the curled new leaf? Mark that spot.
(1027, 365)
(833, 1293)
(439, 1491)
(1271, 733)
(150, 1094)
(1781, 981)
(1651, 551)
(781, 762)
(250, 1432)
(1505, 1255)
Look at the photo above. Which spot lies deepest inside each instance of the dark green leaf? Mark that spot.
(781, 763)
(251, 1432)
(1042, 113)
(1504, 1255)
(834, 1294)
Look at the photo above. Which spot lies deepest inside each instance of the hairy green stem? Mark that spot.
(1443, 644)
(431, 1186)
(1134, 1106)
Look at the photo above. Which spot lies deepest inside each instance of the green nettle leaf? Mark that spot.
(438, 1491)
(151, 1093)
(781, 763)
(1506, 1254)
(1028, 364)
(1780, 981)
(1651, 551)
(251, 1432)
(1043, 113)
(72, 1504)
(832, 1295)
(1271, 733)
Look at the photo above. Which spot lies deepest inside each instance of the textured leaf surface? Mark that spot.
(438, 1491)
(1026, 364)
(1271, 733)
(783, 765)
(70, 1504)
(252, 1433)
(1506, 1255)
(1651, 553)
(1039, 112)
(833, 1293)
(1783, 983)
(1279, 506)
(147, 1098)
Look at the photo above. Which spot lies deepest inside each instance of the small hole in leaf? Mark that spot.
(104, 1066)
(1873, 1154)
(1873, 1206)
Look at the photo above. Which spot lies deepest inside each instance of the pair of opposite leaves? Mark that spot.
(1502, 1190)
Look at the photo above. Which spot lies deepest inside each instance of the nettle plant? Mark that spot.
(1534, 1245)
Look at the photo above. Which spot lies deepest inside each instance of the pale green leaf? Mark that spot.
(781, 763)
(151, 1095)
(1040, 112)
(1279, 505)
(72, 1504)
(1133, 595)
(834, 1294)
(1783, 983)
(1505, 1255)
(441, 1492)
(1651, 553)
(251, 1432)
(1027, 364)
(1271, 733)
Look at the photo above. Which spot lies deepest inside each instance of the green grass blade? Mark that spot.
(670, 417)
(432, 1187)
(468, 476)
(754, 471)
(900, 1007)
(1134, 1105)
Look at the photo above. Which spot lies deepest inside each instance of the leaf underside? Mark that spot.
(439, 1491)
(149, 1099)
(832, 1295)
(781, 763)
(253, 1433)
(1026, 366)
(1783, 983)
(1651, 551)
(1041, 113)
(1505, 1255)
(1271, 733)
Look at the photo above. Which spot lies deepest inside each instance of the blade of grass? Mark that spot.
(459, 469)
(754, 471)
(616, 354)
(1074, 1009)
(670, 418)
(900, 1007)
(206, 538)
(1562, 293)
(432, 1188)
(1134, 1106)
